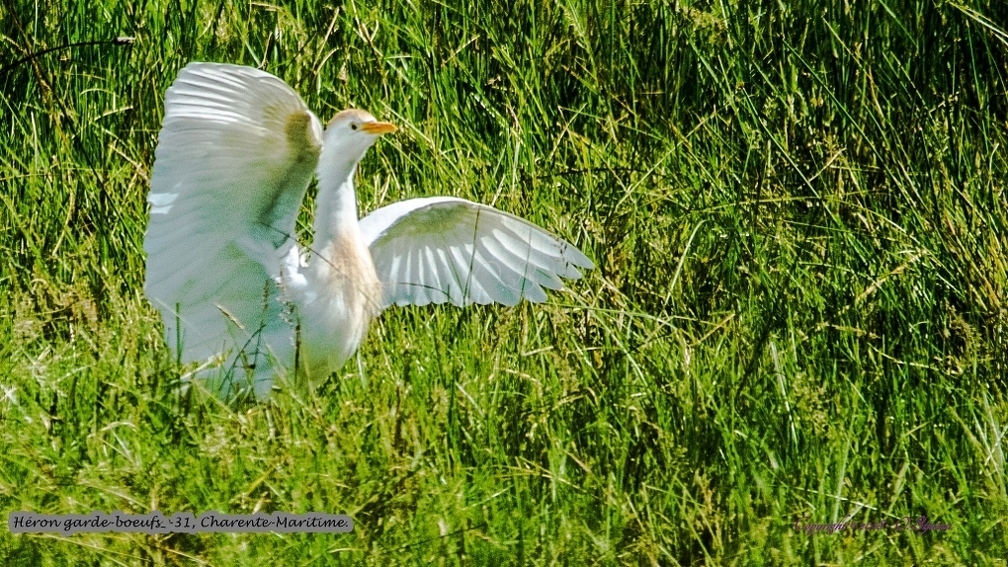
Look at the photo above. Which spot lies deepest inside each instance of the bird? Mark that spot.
(239, 298)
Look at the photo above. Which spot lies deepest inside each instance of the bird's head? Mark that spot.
(353, 131)
(347, 138)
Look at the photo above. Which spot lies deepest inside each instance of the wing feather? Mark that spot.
(443, 249)
(236, 151)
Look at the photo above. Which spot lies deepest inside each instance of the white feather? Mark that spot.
(229, 175)
(493, 256)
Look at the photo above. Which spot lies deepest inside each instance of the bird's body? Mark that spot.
(236, 152)
(340, 286)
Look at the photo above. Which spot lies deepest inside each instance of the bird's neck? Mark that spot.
(336, 204)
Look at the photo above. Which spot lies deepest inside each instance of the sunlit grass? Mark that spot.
(798, 313)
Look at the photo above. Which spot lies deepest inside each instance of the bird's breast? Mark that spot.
(344, 294)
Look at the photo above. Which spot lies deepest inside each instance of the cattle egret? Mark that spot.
(235, 155)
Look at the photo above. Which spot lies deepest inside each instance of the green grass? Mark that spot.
(799, 220)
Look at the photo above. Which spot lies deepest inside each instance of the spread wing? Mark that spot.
(235, 154)
(443, 249)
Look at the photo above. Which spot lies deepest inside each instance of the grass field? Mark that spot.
(799, 314)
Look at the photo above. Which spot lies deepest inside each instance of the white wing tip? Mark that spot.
(578, 258)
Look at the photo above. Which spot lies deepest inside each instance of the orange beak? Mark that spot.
(378, 127)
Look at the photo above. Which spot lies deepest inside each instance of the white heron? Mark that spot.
(235, 155)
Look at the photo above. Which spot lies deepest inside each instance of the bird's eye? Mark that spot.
(353, 125)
